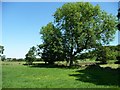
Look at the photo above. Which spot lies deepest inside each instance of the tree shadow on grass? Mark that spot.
(99, 75)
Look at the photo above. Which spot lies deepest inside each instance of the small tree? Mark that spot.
(30, 56)
(1, 49)
(1, 53)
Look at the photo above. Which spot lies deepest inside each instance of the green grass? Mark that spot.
(16, 75)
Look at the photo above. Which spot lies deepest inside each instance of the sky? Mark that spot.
(22, 21)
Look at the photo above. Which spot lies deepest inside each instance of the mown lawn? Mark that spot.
(16, 75)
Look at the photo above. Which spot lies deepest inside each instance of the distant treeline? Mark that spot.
(20, 59)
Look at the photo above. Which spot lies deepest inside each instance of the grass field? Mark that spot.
(17, 75)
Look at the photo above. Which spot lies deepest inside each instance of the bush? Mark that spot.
(102, 54)
(29, 60)
(118, 58)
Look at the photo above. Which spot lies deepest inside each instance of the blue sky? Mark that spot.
(21, 23)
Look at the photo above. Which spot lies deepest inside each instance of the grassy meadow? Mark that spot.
(17, 75)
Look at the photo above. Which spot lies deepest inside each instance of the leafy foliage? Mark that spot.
(118, 54)
(84, 26)
(52, 49)
(105, 53)
(2, 57)
(1, 49)
(102, 54)
(78, 26)
(119, 17)
(31, 55)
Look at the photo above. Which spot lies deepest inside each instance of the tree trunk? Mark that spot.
(51, 63)
(71, 60)
(45, 62)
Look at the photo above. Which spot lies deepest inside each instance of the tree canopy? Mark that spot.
(51, 46)
(77, 26)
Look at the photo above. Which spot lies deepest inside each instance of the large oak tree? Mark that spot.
(78, 26)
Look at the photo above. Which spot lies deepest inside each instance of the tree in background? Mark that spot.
(105, 53)
(52, 46)
(1, 49)
(118, 54)
(87, 55)
(84, 26)
(30, 56)
(1, 53)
